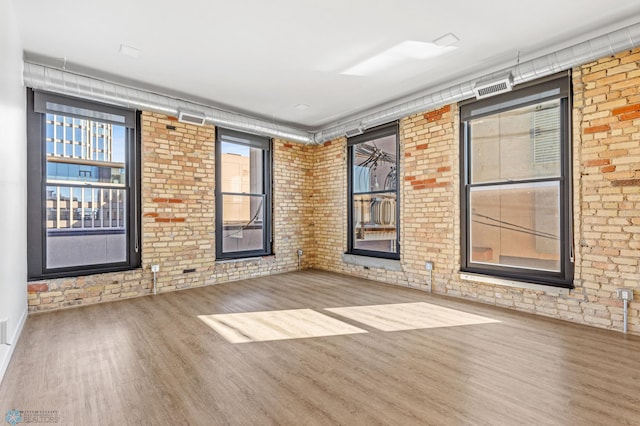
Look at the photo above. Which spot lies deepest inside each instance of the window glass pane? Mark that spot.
(523, 143)
(374, 165)
(85, 226)
(241, 169)
(85, 195)
(242, 223)
(516, 225)
(374, 222)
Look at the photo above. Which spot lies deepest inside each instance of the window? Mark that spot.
(243, 195)
(83, 184)
(516, 195)
(373, 193)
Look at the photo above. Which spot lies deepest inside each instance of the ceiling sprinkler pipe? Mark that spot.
(56, 80)
(40, 77)
(561, 60)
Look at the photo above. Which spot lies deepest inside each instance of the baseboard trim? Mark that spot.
(13, 341)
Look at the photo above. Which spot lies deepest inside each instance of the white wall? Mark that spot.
(13, 183)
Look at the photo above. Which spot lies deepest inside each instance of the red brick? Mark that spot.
(437, 114)
(287, 145)
(177, 219)
(598, 162)
(422, 146)
(422, 182)
(409, 178)
(437, 184)
(630, 116)
(159, 200)
(626, 109)
(150, 215)
(174, 200)
(163, 219)
(37, 288)
(444, 169)
(597, 129)
(608, 169)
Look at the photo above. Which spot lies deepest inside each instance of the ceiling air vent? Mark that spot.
(191, 118)
(494, 86)
(354, 132)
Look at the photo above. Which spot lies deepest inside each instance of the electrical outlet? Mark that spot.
(299, 252)
(428, 266)
(155, 268)
(625, 293)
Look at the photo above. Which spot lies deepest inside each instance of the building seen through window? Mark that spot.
(242, 195)
(85, 194)
(516, 196)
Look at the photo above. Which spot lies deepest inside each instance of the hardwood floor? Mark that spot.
(151, 360)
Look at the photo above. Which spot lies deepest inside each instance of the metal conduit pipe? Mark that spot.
(55, 80)
(561, 60)
(64, 82)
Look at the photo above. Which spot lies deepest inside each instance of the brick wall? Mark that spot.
(607, 105)
(430, 176)
(178, 220)
(606, 178)
(310, 209)
(330, 203)
(293, 204)
(330, 214)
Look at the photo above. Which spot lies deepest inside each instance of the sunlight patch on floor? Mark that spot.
(277, 325)
(409, 316)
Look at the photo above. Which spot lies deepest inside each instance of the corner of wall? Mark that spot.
(7, 353)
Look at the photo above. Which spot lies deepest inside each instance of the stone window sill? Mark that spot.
(372, 262)
(485, 279)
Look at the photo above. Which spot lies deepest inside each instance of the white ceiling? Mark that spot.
(266, 57)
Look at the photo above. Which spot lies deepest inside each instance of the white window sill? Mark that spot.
(485, 279)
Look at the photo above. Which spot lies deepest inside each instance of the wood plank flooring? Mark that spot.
(152, 361)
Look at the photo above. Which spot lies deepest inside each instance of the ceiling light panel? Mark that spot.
(400, 53)
(446, 40)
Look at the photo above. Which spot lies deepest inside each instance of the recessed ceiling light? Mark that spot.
(302, 107)
(446, 40)
(401, 52)
(129, 51)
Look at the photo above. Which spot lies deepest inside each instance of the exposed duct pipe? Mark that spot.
(41, 77)
(561, 60)
(64, 82)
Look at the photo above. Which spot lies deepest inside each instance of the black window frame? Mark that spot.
(37, 183)
(252, 141)
(384, 130)
(556, 87)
